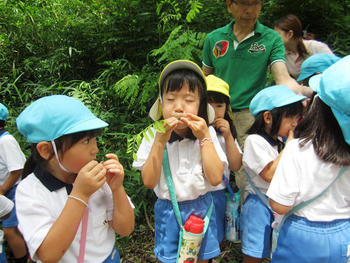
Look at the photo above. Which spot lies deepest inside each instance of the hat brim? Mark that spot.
(344, 123)
(180, 64)
(315, 82)
(155, 112)
(87, 125)
(303, 76)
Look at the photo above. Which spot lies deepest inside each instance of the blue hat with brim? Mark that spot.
(333, 88)
(316, 63)
(273, 97)
(51, 117)
(4, 113)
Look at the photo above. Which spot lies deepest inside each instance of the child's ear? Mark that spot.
(268, 118)
(44, 149)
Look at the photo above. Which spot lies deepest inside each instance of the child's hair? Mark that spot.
(218, 97)
(321, 128)
(2, 124)
(175, 80)
(63, 144)
(292, 22)
(277, 114)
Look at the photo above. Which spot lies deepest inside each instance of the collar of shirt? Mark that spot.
(51, 182)
(175, 137)
(258, 30)
(273, 142)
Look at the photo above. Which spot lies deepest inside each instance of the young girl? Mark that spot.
(196, 159)
(219, 99)
(319, 232)
(69, 206)
(276, 110)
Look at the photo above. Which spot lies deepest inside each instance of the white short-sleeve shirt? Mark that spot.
(301, 175)
(227, 171)
(40, 199)
(11, 157)
(258, 153)
(185, 163)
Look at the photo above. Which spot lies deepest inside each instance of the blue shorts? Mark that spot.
(114, 257)
(304, 241)
(220, 209)
(256, 231)
(11, 221)
(167, 228)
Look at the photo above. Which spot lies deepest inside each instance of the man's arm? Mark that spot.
(282, 77)
(207, 70)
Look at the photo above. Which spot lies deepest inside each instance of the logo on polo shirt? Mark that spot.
(256, 48)
(220, 48)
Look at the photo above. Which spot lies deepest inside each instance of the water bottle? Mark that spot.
(191, 240)
(232, 216)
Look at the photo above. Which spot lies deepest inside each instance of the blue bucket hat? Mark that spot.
(333, 87)
(51, 117)
(273, 97)
(4, 113)
(316, 63)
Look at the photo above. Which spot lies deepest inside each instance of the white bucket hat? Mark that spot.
(156, 110)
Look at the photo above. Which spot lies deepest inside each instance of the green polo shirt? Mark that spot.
(244, 69)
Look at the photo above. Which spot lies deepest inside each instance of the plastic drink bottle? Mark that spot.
(191, 240)
(232, 216)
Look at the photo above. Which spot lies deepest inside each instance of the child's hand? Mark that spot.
(223, 125)
(115, 171)
(197, 125)
(89, 179)
(169, 125)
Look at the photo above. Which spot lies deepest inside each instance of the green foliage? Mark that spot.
(181, 44)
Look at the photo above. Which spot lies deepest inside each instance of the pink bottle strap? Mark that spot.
(83, 236)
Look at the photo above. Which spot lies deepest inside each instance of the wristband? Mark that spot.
(204, 140)
(77, 198)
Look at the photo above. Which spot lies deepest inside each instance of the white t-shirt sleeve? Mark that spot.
(257, 153)
(11, 153)
(284, 186)
(6, 205)
(144, 150)
(34, 216)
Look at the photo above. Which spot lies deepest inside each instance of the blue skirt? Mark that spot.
(301, 240)
(167, 228)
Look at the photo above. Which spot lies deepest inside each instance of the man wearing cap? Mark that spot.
(11, 166)
(240, 53)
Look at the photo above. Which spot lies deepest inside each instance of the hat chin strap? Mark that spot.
(56, 155)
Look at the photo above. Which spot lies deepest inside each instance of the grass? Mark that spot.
(138, 248)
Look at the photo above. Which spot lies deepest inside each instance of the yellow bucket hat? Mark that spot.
(218, 85)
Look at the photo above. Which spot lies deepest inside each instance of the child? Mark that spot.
(219, 99)
(11, 166)
(66, 185)
(315, 64)
(319, 232)
(196, 159)
(276, 110)
(6, 206)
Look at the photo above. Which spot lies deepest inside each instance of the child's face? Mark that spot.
(220, 109)
(180, 101)
(80, 154)
(287, 124)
